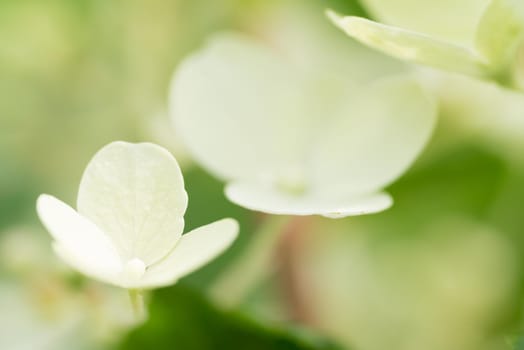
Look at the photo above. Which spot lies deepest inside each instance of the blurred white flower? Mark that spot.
(486, 43)
(23, 251)
(38, 297)
(128, 228)
(24, 324)
(289, 142)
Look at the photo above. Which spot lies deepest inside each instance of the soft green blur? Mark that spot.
(441, 270)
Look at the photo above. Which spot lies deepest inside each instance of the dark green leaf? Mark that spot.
(180, 318)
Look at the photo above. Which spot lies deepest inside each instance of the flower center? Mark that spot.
(134, 270)
(291, 181)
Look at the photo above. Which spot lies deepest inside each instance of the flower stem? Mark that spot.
(137, 302)
(252, 266)
(290, 274)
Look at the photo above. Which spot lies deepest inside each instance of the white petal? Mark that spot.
(237, 107)
(500, 30)
(268, 199)
(78, 241)
(29, 323)
(374, 138)
(194, 250)
(412, 46)
(450, 20)
(135, 194)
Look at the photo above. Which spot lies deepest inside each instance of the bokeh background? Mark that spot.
(441, 270)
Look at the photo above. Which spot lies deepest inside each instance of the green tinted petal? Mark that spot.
(268, 199)
(78, 241)
(449, 20)
(194, 250)
(237, 108)
(411, 46)
(135, 194)
(374, 138)
(500, 30)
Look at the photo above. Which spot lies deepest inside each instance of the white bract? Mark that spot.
(29, 323)
(290, 143)
(450, 20)
(128, 228)
(483, 39)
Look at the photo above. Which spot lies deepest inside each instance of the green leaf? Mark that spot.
(507, 210)
(520, 344)
(411, 46)
(18, 190)
(182, 319)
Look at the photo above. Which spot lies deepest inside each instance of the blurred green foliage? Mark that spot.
(465, 180)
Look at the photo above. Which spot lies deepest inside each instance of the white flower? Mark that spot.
(40, 323)
(128, 228)
(485, 43)
(289, 142)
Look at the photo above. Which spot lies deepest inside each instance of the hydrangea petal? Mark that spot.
(375, 137)
(449, 20)
(237, 107)
(500, 30)
(78, 241)
(412, 46)
(194, 249)
(83, 263)
(135, 194)
(268, 199)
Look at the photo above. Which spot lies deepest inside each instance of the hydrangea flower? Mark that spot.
(487, 46)
(287, 142)
(128, 228)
